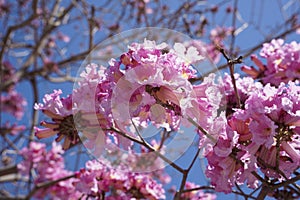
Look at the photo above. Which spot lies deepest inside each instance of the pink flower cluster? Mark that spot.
(55, 104)
(260, 137)
(156, 80)
(257, 133)
(45, 167)
(11, 101)
(283, 63)
(211, 49)
(98, 180)
(60, 111)
(149, 83)
(8, 75)
(217, 98)
(273, 119)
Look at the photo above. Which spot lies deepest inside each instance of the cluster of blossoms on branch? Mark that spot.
(243, 133)
(43, 167)
(155, 79)
(249, 134)
(283, 60)
(217, 38)
(11, 101)
(97, 180)
(162, 92)
(119, 183)
(260, 137)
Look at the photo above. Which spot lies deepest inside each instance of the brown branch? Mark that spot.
(234, 27)
(185, 175)
(35, 112)
(149, 147)
(202, 130)
(183, 181)
(39, 46)
(42, 71)
(8, 170)
(13, 28)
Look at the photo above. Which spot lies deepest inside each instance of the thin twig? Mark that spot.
(149, 147)
(231, 62)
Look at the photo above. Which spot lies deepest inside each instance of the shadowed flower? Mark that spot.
(64, 127)
(60, 111)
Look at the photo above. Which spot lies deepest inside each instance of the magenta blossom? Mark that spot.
(98, 180)
(282, 63)
(13, 103)
(48, 166)
(260, 137)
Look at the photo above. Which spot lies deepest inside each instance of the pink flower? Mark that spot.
(48, 166)
(188, 54)
(223, 160)
(62, 126)
(245, 174)
(272, 118)
(8, 74)
(282, 65)
(245, 87)
(263, 131)
(241, 126)
(55, 104)
(261, 136)
(13, 103)
(64, 123)
(207, 50)
(98, 178)
(155, 92)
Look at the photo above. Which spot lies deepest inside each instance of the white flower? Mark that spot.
(189, 55)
